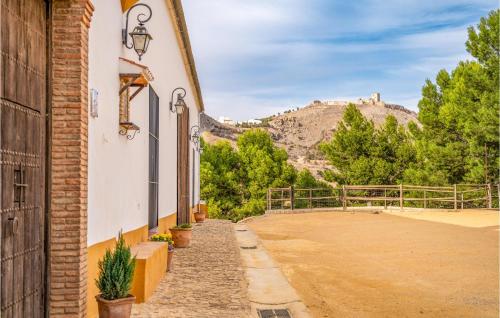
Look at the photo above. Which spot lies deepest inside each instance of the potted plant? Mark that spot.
(116, 271)
(204, 210)
(166, 238)
(199, 216)
(181, 234)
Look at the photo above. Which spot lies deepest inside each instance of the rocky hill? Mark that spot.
(300, 131)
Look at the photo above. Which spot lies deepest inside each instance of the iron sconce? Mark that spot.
(179, 105)
(140, 36)
(195, 135)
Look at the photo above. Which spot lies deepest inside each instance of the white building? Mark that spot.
(139, 151)
(90, 147)
(254, 122)
(226, 121)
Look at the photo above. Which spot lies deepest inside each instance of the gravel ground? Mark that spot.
(207, 279)
(379, 265)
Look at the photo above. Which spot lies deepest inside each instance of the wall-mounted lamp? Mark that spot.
(140, 36)
(195, 135)
(179, 105)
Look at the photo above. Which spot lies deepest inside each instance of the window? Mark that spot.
(154, 147)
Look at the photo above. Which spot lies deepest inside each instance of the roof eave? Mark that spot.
(182, 35)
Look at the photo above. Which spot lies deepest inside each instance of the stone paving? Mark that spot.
(207, 279)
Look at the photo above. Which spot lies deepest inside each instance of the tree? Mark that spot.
(305, 180)
(220, 179)
(235, 181)
(459, 139)
(349, 148)
(263, 166)
(362, 154)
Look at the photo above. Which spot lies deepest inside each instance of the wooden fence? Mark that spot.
(458, 196)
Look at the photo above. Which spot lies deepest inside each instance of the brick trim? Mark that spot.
(67, 248)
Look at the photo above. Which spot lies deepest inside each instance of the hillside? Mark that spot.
(300, 131)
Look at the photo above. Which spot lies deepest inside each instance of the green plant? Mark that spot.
(116, 271)
(183, 226)
(235, 180)
(162, 238)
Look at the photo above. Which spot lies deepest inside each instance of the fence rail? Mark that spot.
(458, 196)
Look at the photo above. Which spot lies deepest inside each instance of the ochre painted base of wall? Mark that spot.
(150, 267)
(165, 223)
(96, 252)
(136, 236)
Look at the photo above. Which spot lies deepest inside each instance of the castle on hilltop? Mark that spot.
(374, 99)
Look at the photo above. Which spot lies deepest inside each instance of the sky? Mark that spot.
(256, 58)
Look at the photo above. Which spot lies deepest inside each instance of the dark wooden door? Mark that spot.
(183, 215)
(154, 148)
(23, 89)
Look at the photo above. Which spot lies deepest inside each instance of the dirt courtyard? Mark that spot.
(381, 265)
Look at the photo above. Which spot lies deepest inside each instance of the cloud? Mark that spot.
(258, 57)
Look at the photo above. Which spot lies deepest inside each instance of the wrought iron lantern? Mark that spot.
(140, 36)
(179, 105)
(195, 135)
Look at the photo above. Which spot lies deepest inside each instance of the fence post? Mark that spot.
(401, 196)
(455, 196)
(292, 198)
(282, 199)
(344, 201)
(425, 199)
(268, 199)
(462, 201)
(385, 199)
(310, 198)
(498, 193)
(489, 196)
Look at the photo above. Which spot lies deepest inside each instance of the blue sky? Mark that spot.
(259, 57)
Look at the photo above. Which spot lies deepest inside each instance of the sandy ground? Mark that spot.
(381, 265)
(468, 218)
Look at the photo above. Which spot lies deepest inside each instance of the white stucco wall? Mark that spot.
(118, 168)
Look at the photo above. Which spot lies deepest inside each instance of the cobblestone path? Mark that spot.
(207, 279)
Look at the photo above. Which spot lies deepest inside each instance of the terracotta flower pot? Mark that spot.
(117, 308)
(181, 237)
(169, 260)
(199, 217)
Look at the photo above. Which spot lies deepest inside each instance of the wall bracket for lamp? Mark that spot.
(131, 75)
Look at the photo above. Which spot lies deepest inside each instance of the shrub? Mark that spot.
(116, 271)
(249, 208)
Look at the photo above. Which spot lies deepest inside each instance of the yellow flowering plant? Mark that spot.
(164, 237)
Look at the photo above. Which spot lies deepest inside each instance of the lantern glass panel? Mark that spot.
(139, 42)
(146, 44)
(179, 108)
(180, 104)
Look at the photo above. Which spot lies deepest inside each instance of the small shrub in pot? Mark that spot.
(116, 271)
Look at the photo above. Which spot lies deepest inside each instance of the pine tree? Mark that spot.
(459, 141)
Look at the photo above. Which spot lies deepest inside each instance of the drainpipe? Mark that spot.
(192, 179)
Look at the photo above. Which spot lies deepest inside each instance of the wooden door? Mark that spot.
(183, 215)
(23, 89)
